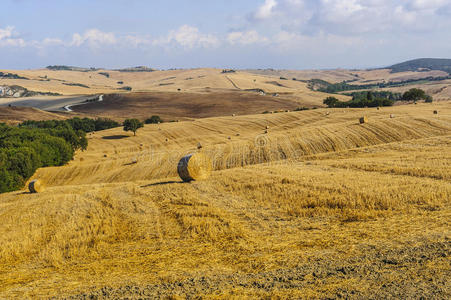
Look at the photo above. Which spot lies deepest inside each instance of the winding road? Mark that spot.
(49, 103)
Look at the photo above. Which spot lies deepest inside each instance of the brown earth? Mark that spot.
(172, 106)
(14, 115)
(397, 270)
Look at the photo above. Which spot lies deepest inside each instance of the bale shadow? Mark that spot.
(115, 137)
(162, 183)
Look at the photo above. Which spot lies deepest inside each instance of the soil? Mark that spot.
(379, 274)
(171, 106)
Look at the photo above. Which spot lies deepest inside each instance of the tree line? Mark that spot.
(36, 144)
(333, 88)
(378, 98)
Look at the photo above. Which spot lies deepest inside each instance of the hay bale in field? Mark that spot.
(435, 112)
(267, 127)
(237, 134)
(392, 116)
(363, 120)
(194, 167)
(234, 115)
(378, 108)
(229, 137)
(266, 131)
(36, 186)
(199, 146)
(167, 140)
(105, 155)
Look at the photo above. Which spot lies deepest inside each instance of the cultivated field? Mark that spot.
(185, 94)
(318, 206)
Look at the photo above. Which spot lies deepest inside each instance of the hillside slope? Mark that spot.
(319, 207)
(423, 64)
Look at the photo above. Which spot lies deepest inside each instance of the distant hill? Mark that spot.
(70, 68)
(136, 69)
(423, 64)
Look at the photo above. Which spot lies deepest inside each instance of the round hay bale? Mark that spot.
(199, 146)
(237, 134)
(194, 167)
(267, 127)
(378, 108)
(229, 137)
(363, 120)
(234, 115)
(392, 116)
(105, 155)
(435, 112)
(36, 186)
(266, 131)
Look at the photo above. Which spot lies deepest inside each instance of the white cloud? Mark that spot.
(266, 10)
(189, 37)
(7, 38)
(245, 37)
(348, 17)
(93, 38)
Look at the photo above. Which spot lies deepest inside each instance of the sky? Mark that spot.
(279, 34)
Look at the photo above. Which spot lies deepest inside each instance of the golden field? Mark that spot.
(319, 206)
(188, 81)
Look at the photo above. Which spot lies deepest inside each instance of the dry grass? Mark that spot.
(190, 81)
(350, 209)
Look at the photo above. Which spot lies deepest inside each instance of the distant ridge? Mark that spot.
(423, 65)
(136, 69)
(70, 68)
(80, 69)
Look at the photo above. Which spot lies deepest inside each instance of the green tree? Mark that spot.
(154, 120)
(415, 95)
(132, 125)
(330, 101)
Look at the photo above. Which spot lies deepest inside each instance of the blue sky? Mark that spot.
(289, 34)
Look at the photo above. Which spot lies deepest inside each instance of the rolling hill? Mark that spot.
(320, 206)
(423, 65)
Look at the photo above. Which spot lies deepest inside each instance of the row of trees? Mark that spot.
(333, 88)
(36, 144)
(376, 99)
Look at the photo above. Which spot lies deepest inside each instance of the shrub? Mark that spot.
(153, 120)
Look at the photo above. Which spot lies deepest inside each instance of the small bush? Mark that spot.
(153, 120)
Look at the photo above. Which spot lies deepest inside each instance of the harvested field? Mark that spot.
(320, 207)
(172, 106)
(15, 115)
